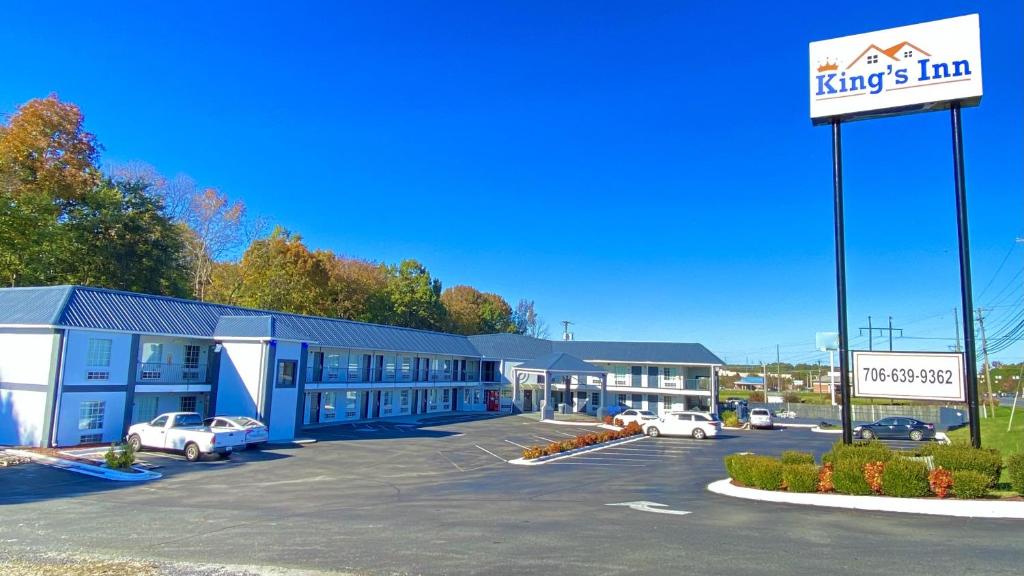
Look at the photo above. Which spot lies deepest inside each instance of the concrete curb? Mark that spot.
(565, 423)
(571, 453)
(929, 506)
(827, 430)
(794, 425)
(89, 469)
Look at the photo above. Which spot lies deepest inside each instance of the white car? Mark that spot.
(634, 415)
(699, 425)
(256, 432)
(184, 432)
(761, 418)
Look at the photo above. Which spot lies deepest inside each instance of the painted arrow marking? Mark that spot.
(645, 506)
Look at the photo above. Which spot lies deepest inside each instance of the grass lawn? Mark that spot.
(994, 434)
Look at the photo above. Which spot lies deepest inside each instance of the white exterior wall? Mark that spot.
(25, 358)
(76, 358)
(21, 417)
(242, 366)
(68, 431)
(283, 402)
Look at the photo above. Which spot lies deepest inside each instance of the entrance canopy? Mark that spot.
(559, 362)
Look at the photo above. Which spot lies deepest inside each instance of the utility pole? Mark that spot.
(956, 325)
(871, 333)
(764, 372)
(984, 352)
(778, 369)
(565, 330)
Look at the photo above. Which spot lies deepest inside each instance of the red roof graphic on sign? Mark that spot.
(891, 52)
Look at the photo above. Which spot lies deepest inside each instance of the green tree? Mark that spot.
(118, 236)
(415, 297)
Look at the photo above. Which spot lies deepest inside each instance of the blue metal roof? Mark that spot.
(33, 306)
(510, 346)
(561, 362)
(669, 352)
(99, 308)
(103, 309)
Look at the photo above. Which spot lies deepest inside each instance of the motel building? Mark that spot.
(78, 365)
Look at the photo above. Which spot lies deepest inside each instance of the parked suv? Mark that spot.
(761, 418)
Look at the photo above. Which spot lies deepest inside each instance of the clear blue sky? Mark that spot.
(645, 169)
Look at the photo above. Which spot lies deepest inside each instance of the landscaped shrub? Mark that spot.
(940, 481)
(873, 475)
(905, 479)
(755, 471)
(862, 452)
(617, 422)
(1015, 469)
(120, 459)
(825, 478)
(797, 457)
(791, 397)
(729, 418)
(969, 484)
(956, 457)
(581, 441)
(532, 452)
(800, 477)
(608, 420)
(848, 478)
(767, 473)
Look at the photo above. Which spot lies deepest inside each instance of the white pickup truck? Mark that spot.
(184, 432)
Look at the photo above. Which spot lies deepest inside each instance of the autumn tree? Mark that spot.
(356, 289)
(47, 163)
(280, 273)
(473, 312)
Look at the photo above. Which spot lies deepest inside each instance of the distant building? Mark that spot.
(750, 383)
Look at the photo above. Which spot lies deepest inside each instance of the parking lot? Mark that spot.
(440, 498)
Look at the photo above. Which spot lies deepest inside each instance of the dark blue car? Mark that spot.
(896, 427)
(617, 409)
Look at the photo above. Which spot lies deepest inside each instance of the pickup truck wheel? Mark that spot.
(135, 442)
(192, 452)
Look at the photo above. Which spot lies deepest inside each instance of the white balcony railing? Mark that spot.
(151, 372)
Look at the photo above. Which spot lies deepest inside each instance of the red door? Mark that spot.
(493, 401)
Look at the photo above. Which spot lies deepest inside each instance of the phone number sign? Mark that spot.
(909, 375)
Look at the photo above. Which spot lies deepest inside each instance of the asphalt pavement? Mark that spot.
(442, 499)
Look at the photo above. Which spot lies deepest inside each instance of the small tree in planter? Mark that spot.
(120, 456)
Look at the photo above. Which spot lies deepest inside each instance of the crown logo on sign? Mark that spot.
(828, 67)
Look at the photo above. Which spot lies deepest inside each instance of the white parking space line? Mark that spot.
(489, 452)
(596, 464)
(616, 459)
(654, 450)
(544, 439)
(564, 434)
(515, 444)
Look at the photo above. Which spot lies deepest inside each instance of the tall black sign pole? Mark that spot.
(844, 341)
(966, 294)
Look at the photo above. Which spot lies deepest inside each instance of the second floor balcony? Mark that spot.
(702, 384)
(161, 373)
